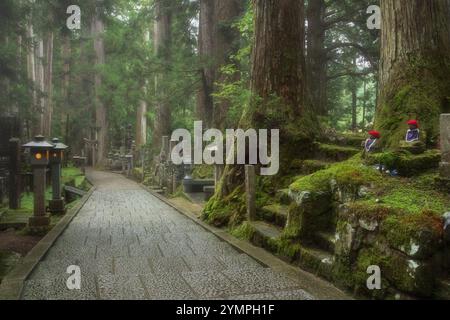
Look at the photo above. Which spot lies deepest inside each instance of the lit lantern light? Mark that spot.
(39, 151)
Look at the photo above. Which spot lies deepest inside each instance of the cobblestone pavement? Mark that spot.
(130, 245)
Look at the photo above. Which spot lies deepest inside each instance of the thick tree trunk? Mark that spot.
(316, 61)
(163, 22)
(64, 112)
(414, 68)
(141, 115)
(277, 85)
(31, 70)
(205, 104)
(48, 86)
(101, 121)
(39, 126)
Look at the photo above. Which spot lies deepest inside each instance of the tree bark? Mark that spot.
(205, 104)
(162, 41)
(414, 68)
(39, 128)
(277, 85)
(317, 56)
(31, 70)
(141, 115)
(101, 121)
(48, 86)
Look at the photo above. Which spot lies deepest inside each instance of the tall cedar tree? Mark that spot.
(414, 68)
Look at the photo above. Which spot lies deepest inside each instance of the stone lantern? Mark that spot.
(56, 204)
(39, 159)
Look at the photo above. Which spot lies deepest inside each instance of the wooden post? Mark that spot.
(14, 173)
(250, 190)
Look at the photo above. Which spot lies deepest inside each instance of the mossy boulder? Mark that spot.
(406, 163)
(403, 273)
(358, 225)
(311, 212)
(416, 235)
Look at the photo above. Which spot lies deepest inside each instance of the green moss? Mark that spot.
(179, 193)
(406, 163)
(424, 231)
(203, 171)
(367, 211)
(317, 182)
(70, 173)
(284, 247)
(421, 90)
(245, 231)
(227, 211)
(348, 174)
(335, 152)
(370, 257)
(415, 200)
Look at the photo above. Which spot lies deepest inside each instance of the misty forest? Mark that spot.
(358, 89)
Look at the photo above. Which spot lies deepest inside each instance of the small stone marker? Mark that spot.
(250, 190)
(445, 145)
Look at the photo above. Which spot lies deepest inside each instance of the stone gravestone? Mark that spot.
(445, 146)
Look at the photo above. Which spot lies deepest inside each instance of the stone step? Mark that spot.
(264, 232)
(325, 241)
(317, 261)
(274, 214)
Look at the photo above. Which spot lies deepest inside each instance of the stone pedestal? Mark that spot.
(39, 218)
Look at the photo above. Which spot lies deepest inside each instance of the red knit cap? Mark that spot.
(413, 123)
(375, 134)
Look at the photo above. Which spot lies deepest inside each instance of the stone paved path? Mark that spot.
(130, 245)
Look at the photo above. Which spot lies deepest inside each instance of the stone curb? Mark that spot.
(12, 285)
(318, 287)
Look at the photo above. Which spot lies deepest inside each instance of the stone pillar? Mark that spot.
(14, 173)
(250, 190)
(39, 218)
(445, 146)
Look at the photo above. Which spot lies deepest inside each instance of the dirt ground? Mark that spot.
(22, 244)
